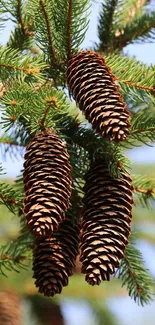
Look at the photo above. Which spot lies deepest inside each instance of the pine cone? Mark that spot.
(46, 183)
(54, 258)
(92, 86)
(10, 308)
(106, 222)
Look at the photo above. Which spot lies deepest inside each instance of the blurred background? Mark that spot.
(79, 303)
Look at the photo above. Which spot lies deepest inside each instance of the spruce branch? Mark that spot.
(16, 254)
(105, 24)
(148, 192)
(70, 20)
(13, 64)
(144, 191)
(135, 276)
(19, 14)
(69, 30)
(137, 85)
(10, 197)
(140, 29)
(143, 126)
(53, 57)
(11, 143)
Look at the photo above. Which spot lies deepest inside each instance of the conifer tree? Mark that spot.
(76, 174)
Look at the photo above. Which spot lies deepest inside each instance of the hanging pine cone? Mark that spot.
(10, 308)
(47, 183)
(92, 86)
(106, 222)
(54, 258)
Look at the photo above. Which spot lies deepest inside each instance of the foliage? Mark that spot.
(134, 275)
(33, 97)
(124, 22)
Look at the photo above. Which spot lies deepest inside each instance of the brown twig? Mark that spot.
(12, 143)
(134, 276)
(50, 102)
(49, 33)
(11, 201)
(147, 192)
(20, 17)
(27, 70)
(141, 131)
(11, 258)
(69, 30)
(128, 82)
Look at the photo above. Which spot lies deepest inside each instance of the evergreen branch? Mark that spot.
(128, 10)
(51, 102)
(93, 144)
(131, 71)
(70, 18)
(49, 33)
(19, 6)
(19, 41)
(134, 275)
(11, 143)
(13, 62)
(15, 254)
(143, 126)
(149, 191)
(69, 30)
(8, 197)
(140, 28)
(144, 190)
(152, 129)
(128, 82)
(105, 24)
(27, 70)
(24, 109)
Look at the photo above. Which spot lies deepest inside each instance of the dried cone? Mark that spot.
(47, 183)
(106, 222)
(54, 258)
(92, 86)
(10, 308)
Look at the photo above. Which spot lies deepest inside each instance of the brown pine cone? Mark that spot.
(93, 88)
(54, 258)
(106, 222)
(10, 308)
(47, 183)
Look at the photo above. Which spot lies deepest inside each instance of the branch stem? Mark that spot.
(147, 192)
(49, 33)
(128, 82)
(20, 17)
(143, 130)
(69, 30)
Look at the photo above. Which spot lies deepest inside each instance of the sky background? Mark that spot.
(125, 308)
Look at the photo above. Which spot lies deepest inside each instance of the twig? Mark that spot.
(133, 275)
(29, 71)
(50, 101)
(11, 201)
(12, 143)
(147, 192)
(142, 130)
(128, 82)
(49, 33)
(11, 258)
(69, 30)
(20, 17)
